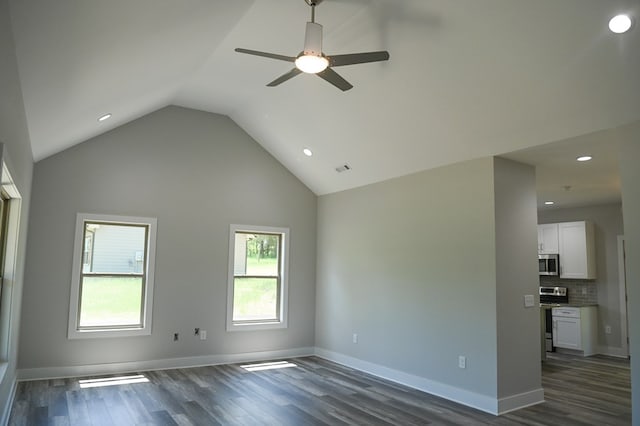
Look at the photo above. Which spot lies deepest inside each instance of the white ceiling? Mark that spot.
(466, 78)
(560, 178)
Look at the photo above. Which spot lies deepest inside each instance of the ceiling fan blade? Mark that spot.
(266, 54)
(284, 77)
(334, 78)
(358, 58)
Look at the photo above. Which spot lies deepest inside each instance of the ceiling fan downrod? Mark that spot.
(313, 4)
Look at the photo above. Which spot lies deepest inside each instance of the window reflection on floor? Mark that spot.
(268, 365)
(112, 381)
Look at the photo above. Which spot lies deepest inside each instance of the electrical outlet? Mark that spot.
(584, 291)
(355, 337)
(175, 337)
(607, 329)
(203, 334)
(462, 361)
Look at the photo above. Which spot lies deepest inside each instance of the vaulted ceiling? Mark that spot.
(466, 78)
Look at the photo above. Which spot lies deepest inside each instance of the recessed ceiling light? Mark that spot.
(620, 24)
(584, 158)
(104, 117)
(549, 203)
(307, 152)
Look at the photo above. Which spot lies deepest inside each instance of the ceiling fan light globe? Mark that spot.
(311, 64)
(620, 24)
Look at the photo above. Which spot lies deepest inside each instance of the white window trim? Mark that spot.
(8, 275)
(145, 330)
(284, 282)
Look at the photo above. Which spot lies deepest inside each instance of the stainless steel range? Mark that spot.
(549, 298)
(553, 296)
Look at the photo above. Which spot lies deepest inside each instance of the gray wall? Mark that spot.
(410, 266)
(17, 155)
(607, 220)
(630, 177)
(197, 173)
(518, 349)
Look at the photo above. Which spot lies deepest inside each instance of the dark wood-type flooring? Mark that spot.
(578, 391)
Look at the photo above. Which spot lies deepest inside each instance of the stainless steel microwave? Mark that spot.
(548, 264)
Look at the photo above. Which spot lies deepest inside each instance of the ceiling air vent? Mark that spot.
(345, 167)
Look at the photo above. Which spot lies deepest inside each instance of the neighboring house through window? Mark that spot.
(258, 264)
(112, 279)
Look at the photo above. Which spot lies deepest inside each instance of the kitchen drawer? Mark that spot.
(566, 312)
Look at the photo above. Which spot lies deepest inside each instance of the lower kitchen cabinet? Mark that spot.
(575, 328)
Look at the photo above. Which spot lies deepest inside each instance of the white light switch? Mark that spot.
(529, 301)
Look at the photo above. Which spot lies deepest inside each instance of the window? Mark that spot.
(257, 294)
(5, 300)
(112, 279)
(10, 207)
(4, 220)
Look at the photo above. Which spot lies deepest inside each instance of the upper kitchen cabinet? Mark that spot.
(577, 250)
(548, 239)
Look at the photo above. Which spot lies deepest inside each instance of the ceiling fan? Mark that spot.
(313, 61)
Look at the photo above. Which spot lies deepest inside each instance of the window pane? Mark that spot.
(257, 254)
(113, 248)
(255, 299)
(108, 301)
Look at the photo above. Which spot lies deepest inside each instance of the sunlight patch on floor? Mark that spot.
(268, 365)
(112, 381)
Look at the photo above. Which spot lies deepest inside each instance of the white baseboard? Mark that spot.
(612, 351)
(522, 400)
(601, 350)
(159, 364)
(471, 399)
(6, 412)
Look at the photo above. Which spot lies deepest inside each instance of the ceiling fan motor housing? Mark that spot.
(313, 39)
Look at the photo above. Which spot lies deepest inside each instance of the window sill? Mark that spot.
(100, 334)
(254, 326)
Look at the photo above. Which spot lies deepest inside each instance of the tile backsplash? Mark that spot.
(580, 291)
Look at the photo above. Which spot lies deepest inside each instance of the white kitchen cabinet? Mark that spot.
(575, 328)
(548, 238)
(576, 242)
(566, 333)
